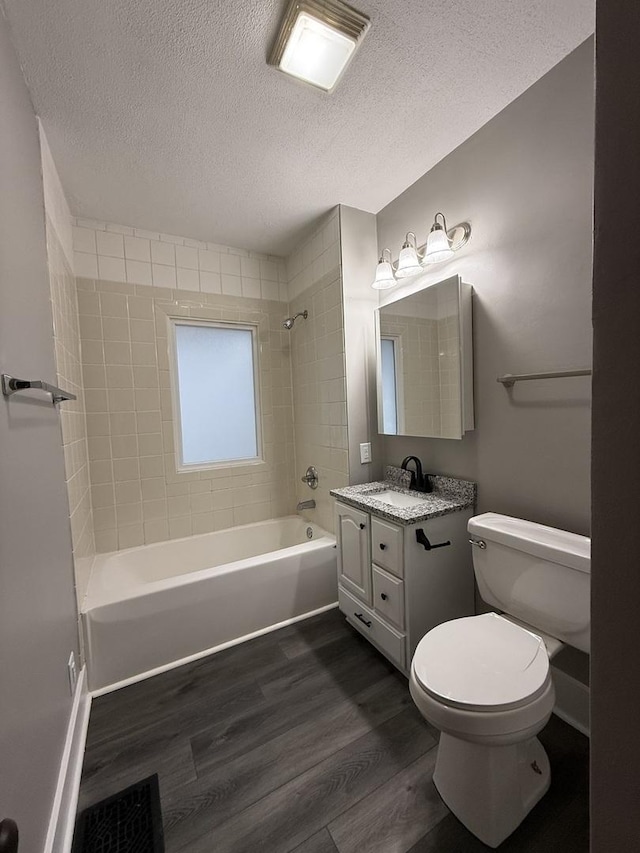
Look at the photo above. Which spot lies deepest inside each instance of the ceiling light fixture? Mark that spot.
(317, 40)
(441, 244)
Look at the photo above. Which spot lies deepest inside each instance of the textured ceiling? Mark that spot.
(163, 113)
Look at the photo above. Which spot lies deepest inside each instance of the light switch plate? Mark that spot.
(365, 452)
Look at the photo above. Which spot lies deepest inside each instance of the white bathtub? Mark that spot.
(158, 606)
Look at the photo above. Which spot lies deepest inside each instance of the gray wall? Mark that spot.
(524, 181)
(37, 604)
(615, 742)
(359, 256)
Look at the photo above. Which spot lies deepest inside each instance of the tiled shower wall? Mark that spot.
(68, 367)
(318, 367)
(133, 280)
(138, 496)
(118, 253)
(129, 281)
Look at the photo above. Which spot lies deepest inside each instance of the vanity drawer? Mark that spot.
(386, 546)
(388, 640)
(388, 596)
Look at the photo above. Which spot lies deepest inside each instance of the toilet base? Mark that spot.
(491, 789)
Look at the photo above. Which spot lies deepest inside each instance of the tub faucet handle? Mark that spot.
(310, 477)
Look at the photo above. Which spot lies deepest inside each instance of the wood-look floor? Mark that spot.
(305, 741)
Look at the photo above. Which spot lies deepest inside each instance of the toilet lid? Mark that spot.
(481, 662)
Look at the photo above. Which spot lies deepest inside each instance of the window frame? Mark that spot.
(396, 340)
(184, 467)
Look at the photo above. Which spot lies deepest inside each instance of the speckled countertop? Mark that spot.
(448, 495)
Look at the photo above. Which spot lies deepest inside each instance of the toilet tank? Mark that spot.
(537, 574)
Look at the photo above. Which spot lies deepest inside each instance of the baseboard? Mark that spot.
(572, 700)
(219, 648)
(63, 813)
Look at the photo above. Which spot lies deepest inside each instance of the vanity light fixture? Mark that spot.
(384, 272)
(408, 260)
(441, 244)
(317, 40)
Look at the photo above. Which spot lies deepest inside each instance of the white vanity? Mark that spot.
(404, 561)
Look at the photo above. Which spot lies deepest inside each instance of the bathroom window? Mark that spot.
(215, 393)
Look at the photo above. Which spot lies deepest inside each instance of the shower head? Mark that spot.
(288, 323)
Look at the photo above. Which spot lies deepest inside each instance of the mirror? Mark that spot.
(425, 369)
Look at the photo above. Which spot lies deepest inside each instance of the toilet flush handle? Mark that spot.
(479, 543)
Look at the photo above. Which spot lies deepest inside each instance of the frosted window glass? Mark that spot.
(216, 393)
(389, 391)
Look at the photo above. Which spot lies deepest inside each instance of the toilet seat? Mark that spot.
(482, 663)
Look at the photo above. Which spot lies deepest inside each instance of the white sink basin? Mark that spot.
(397, 498)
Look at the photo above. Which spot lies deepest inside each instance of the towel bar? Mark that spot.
(10, 385)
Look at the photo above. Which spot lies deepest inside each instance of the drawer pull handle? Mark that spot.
(421, 539)
(362, 619)
(384, 596)
(382, 546)
(362, 526)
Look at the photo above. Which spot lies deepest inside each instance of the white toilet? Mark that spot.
(485, 681)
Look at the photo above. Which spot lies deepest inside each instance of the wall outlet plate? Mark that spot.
(72, 672)
(365, 452)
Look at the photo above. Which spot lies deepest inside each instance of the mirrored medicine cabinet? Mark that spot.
(425, 362)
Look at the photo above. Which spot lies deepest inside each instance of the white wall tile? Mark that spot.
(230, 264)
(187, 257)
(209, 261)
(250, 267)
(268, 270)
(139, 272)
(188, 279)
(231, 285)
(271, 290)
(86, 266)
(251, 288)
(163, 253)
(111, 269)
(163, 276)
(137, 249)
(210, 282)
(110, 245)
(84, 239)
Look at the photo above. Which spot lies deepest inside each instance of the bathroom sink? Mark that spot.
(397, 499)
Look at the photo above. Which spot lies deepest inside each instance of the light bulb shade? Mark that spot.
(408, 263)
(384, 276)
(438, 247)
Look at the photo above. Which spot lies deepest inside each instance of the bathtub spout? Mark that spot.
(306, 505)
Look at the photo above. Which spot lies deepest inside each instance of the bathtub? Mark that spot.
(150, 608)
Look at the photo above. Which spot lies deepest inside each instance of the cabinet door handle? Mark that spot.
(362, 619)
(384, 596)
(362, 525)
(382, 546)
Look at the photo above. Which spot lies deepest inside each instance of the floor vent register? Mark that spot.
(127, 822)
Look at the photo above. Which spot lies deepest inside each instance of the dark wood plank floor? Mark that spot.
(305, 741)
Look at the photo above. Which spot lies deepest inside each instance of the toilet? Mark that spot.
(485, 681)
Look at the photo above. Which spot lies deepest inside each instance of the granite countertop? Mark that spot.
(448, 495)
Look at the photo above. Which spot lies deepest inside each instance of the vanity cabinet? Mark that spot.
(392, 588)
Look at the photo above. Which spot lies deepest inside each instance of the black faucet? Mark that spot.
(419, 482)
